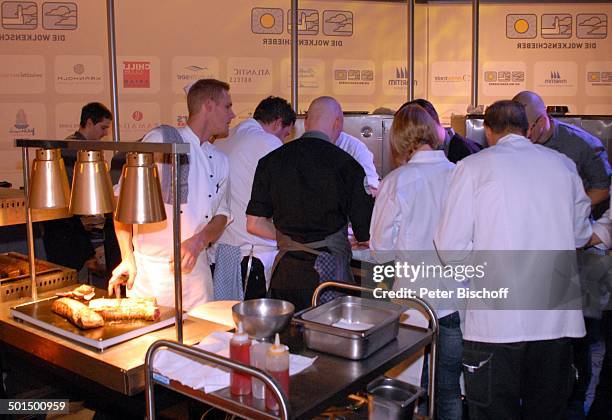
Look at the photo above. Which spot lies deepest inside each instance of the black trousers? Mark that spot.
(526, 380)
(601, 409)
(256, 288)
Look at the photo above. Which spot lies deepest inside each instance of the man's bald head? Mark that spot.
(533, 103)
(325, 115)
(540, 127)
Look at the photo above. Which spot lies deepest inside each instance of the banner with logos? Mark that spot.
(55, 58)
(562, 51)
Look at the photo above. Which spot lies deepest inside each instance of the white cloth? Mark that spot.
(360, 152)
(516, 196)
(408, 208)
(203, 375)
(603, 229)
(208, 179)
(246, 144)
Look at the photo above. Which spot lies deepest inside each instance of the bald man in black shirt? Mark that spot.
(304, 194)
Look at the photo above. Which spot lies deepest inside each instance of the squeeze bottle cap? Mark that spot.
(240, 336)
(277, 349)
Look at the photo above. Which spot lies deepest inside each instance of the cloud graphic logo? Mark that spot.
(521, 26)
(592, 26)
(60, 16)
(338, 22)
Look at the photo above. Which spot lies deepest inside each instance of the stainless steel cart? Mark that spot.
(325, 383)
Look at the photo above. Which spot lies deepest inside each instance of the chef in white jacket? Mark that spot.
(406, 215)
(248, 142)
(147, 252)
(521, 197)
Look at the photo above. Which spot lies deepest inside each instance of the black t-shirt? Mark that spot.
(311, 189)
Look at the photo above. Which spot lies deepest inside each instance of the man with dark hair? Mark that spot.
(517, 196)
(95, 120)
(147, 255)
(66, 241)
(455, 146)
(586, 150)
(304, 194)
(248, 142)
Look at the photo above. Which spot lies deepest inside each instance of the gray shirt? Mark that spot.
(579, 145)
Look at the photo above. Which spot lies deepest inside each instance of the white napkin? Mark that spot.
(352, 325)
(202, 375)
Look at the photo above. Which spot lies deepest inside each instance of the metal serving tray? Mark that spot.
(49, 276)
(39, 313)
(373, 323)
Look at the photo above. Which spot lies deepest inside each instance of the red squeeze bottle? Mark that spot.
(240, 349)
(277, 366)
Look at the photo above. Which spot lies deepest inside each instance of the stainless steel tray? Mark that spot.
(350, 326)
(49, 276)
(39, 313)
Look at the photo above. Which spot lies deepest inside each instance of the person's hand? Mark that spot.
(190, 251)
(124, 273)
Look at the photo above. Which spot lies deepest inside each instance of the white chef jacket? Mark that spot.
(409, 206)
(153, 246)
(246, 144)
(405, 217)
(360, 152)
(516, 196)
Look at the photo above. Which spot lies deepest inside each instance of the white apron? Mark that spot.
(154, 278)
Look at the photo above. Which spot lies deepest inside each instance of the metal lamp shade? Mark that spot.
(92, 191)
(49, 181)
(140, 198)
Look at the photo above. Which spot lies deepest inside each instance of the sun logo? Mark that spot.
(265, 20)
(521, 26)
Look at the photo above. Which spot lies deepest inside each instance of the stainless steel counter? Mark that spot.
(120, 368)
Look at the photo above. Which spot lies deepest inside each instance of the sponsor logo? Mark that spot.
(401, 78)
(504, 77)
(592, 26)
(353, 75)
(248, 75)
(308, 21)
(454, 78)
(556, 26)
(270, 20)
(21, 125)
(599, 78)
(137, 115)
(267, 20)
(337, 23)
(521, 26)
(60, 16)
(19, 15)
(136, 74)
(21, 75)
(193, 73)
(555, 79)
(79, 75)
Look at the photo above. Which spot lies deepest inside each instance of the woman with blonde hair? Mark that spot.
(404, 221)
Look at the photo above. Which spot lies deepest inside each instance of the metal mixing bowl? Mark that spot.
(262, 318)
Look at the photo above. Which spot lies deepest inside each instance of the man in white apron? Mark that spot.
(147, 252)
